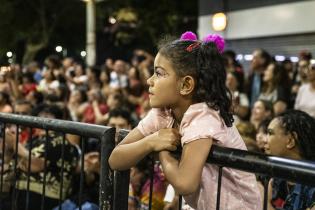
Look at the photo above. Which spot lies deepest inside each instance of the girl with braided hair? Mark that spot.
(292, 135)
(191, 109)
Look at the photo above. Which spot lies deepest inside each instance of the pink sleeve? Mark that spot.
(202, 123)
(152, 122)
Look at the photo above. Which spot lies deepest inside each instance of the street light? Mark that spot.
(58, 49)
(9, 54)
(83, 53)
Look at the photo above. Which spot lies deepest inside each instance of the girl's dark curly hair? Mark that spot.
(205, 64)
(303, 125)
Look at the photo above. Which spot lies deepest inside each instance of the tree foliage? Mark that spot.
(30, 26)
(40, 23)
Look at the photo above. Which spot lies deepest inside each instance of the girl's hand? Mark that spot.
(164, 139)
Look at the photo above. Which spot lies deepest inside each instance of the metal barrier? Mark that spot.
(114, 186)
(104, 134)
(270, 166)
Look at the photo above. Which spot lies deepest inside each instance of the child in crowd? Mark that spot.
(191, 108)
(291, 135)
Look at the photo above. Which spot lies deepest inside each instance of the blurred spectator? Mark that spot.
(276, 87)
(38, 147)
(119, 77)
(261, 135)
(305, 99)
(240, 100)
(5, 103)
(231, 64)
(262, 110)
(248, 132)
(259, 63)
(93, 77)
(34, 69)
(23, 107)
(139, 189)
(300, 76)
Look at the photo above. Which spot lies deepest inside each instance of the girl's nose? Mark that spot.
(150, 81)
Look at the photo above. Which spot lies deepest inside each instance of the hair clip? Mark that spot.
(217, 39)
(192, 46)
(188, 35)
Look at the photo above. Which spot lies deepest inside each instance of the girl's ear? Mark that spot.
(291, 140)
(187, 85)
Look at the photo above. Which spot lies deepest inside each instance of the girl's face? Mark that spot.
(164, 85)
(277, 139)
(268, 74)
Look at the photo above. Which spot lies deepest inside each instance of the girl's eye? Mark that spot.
(159, 73)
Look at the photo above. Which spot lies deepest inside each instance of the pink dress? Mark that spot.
(239, 190)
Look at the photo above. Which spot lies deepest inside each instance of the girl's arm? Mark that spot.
(136, 146)
(185, 175)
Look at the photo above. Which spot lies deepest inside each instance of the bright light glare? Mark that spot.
(83, 53)
(239, 57)
(219, 21)
(248, 57)
(280, 58)
(294, 59)
(58, 49)
(9, 54)
(112, 20)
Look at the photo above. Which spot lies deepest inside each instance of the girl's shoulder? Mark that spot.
(201, 111)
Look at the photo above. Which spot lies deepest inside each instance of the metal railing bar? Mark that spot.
(151, 183)
(45, 171)
(62, 169)
(63, 126)
(30, 140)
(15, 167)
(121, 183)
(82, 141)
(107, 175)
(180, 200)
(2, 157)
(219, 188)
(293, 170)
(266, 186)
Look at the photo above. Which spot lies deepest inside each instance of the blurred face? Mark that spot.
(23, 109)
(261, 138)
(231, 82)
(164, 85)
(118, 123)
(119, 66)
(277, 139)
(303, 68)
(311, 73)
(256, 61)
(78, 70)
(259, 111)
(268, 74)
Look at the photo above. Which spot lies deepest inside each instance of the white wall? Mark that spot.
(283, 19)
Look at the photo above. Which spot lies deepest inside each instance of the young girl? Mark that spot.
(291, 135)
(191, 108)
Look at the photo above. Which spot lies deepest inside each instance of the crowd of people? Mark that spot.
(273, 110)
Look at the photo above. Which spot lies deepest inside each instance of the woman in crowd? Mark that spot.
(292, 135)
(276, 87)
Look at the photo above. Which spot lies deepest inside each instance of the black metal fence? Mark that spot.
(105, 135)
(114, 186)
(269, 166)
